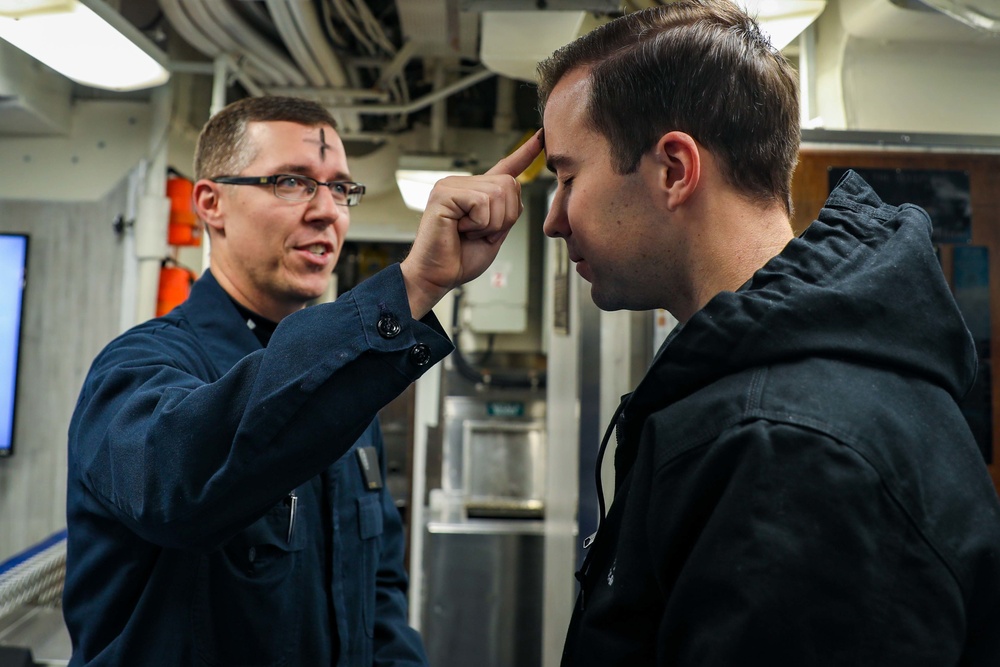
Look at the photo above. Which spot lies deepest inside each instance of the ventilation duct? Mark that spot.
(982, 14)
(34, 100)
(514, 42)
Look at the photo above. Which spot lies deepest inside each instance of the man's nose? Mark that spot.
(324, 207)
(556, 224)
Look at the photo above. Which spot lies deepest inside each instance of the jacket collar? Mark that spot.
(863, 283)
(218, 324)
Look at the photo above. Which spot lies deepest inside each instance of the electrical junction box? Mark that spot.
(497, 301)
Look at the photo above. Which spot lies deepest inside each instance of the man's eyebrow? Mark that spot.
(553, 162)
(304, 170)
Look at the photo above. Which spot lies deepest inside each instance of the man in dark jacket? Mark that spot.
(226, 500)
(794, 481)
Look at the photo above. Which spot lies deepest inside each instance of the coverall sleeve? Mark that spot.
(795, 553)
(186, 456)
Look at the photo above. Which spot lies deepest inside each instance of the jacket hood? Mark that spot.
(863, 284)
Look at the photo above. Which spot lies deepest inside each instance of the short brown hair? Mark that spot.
(223, 149)
(702, 67)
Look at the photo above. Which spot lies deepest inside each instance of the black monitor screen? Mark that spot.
(13, 260)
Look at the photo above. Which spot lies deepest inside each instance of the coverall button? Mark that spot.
(388, 326)
(420, 354)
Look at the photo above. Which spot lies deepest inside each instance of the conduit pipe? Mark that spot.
(219, 85)
(251, 43)
(225, 44)
(359, 33)
(188, 29)
(439, 111)
(418, 104)
(331, 29)
(305, 16)
(193, 34)
(221, 69)
(305, 33)
(287, 28)
(396, 65)
(503, 118)
(202, 16)
(331, 96)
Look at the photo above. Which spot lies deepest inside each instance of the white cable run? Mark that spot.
(252, 43)
(288, 29)
(188, 29)
(305, 16)
(202, 14)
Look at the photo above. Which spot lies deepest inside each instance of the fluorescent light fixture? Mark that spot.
(84, 40)
(417, 175)
(783, 20)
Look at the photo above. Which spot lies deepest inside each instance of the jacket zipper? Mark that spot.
(618, 425)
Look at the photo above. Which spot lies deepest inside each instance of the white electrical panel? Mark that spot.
(497, 301)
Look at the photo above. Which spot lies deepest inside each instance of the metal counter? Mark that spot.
(484, 583)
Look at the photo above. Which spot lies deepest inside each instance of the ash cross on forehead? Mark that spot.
(322, 144)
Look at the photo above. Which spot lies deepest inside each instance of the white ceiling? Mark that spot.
(396, 51)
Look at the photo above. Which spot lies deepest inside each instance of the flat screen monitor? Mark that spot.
(13, 271)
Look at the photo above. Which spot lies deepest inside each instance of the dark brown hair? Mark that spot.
(223, 148)
(702, 67)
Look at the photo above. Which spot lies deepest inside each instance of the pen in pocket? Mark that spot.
(293, 503)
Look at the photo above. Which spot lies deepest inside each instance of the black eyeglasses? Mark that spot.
(300, 188)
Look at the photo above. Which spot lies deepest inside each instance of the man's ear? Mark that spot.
(207, 204)
(678, 159)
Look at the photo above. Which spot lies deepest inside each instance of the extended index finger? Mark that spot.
(518, 161)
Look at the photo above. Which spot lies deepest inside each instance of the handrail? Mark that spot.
(34, 576)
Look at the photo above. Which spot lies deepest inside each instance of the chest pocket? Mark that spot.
(258, 569)
(369, 516)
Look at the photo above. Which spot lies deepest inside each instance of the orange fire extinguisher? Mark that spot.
(175, 286)
(183, 228)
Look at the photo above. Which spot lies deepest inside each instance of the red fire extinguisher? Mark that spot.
(183, 228)
(175, 286)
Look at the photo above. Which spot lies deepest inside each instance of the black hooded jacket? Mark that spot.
(795, 482)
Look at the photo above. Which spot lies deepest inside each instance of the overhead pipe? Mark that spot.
(251, 43)
(234, 66)
(222, 67)
(331, 29)
(196, 37)
(418, 104)
(503, 118)
(189, 29)
(396, 65)
(332, 95)
(289, 31)
(362, 36)
(225, 44)
(202, 15)
(808, 105)
(439, 110)
(306, 18)
(219, 82)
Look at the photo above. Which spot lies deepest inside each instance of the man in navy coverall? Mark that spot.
(226, 500)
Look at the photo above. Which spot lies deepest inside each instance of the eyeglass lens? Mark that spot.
(293, 187)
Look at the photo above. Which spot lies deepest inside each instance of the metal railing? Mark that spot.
(34, 577)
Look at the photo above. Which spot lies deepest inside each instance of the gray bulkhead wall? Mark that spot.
(72, 306)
